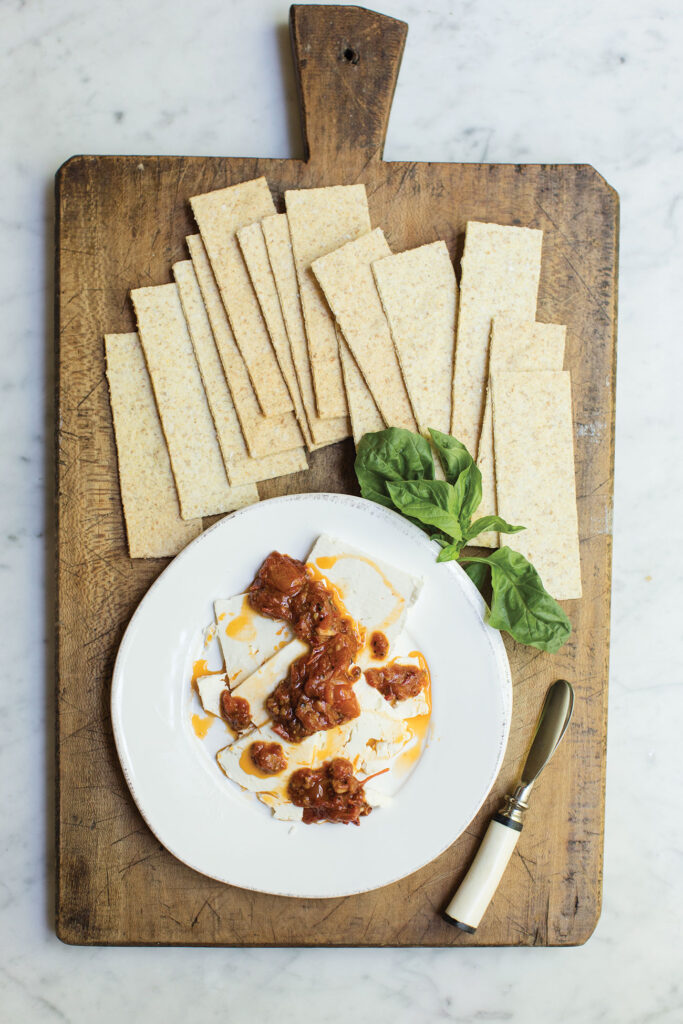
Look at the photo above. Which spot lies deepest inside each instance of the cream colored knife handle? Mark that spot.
(476, 890)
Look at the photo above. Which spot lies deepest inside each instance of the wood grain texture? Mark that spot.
(121, 223)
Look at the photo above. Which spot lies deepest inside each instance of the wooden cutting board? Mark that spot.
(121, 222)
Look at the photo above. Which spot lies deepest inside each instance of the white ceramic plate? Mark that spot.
(209, 822)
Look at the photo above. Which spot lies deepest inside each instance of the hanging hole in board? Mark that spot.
(350, 55)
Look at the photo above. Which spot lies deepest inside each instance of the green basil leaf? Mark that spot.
(460, 489)
(453, 455)
(441, 539)
(478, 572)
(472, 499)
(456, 461)
(431, 502)
(393, 454)
(487, 523)
(520, 603)
(449, 552)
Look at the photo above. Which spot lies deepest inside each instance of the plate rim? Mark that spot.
(419, 536)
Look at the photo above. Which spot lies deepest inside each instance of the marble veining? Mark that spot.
(539, 81)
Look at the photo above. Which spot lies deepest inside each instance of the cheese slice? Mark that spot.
(368, 741)
(376, 594)
(210, 689)
(259, 651)
(257, 687)
(246, 638)
(237, 765)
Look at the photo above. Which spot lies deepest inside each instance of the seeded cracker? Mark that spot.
(418, 293)
(320, 220)
(501, 267)
(148, 494)
(253, 246)
(279, 246)
(198, 469)
(240, 466)
(365, 416)
(514, 346)
(264, 435)
(345, 277)
(533, 439)
(220, 215)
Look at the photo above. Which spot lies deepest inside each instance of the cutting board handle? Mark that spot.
(346, 61)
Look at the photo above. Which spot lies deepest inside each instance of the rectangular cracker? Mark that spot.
(150, 503)
(253, 246)
(321, 220)
(220, 214)
(241, 467)
(533, 439)
(365, 416)
(513, 346)
(345, 277)
(419, 295)
(264, 435)
(501, 267)
(324, 431)
(196, 461)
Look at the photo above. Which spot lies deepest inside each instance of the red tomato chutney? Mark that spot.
(317, 692)
(269, 758)
(379, 645)
(235, 711)
(329, 793)
(397, 682)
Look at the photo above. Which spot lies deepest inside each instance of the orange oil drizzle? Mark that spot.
(419, 725)
(201, 725)
(242, 626)
(201, 668)
(334, 741)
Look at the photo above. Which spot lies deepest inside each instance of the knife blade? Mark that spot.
(476, 890)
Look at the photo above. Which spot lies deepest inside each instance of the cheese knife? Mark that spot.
(476, 890)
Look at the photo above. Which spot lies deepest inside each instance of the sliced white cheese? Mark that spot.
(261, 683)
(281, 809)
(375, 797)
(372, 739)
(237, 765)
(247, 639)
(258, 652)
(257, 687)
(368, 742)
(210, 689)
(371, 699)
(359, 742)
(376, 594)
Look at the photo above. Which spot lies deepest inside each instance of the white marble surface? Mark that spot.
(597, 81)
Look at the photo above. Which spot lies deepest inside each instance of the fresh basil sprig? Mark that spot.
(395, 468)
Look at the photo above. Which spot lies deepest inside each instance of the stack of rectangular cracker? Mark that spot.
(287, 332)
(247, 359)
(512, 402)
